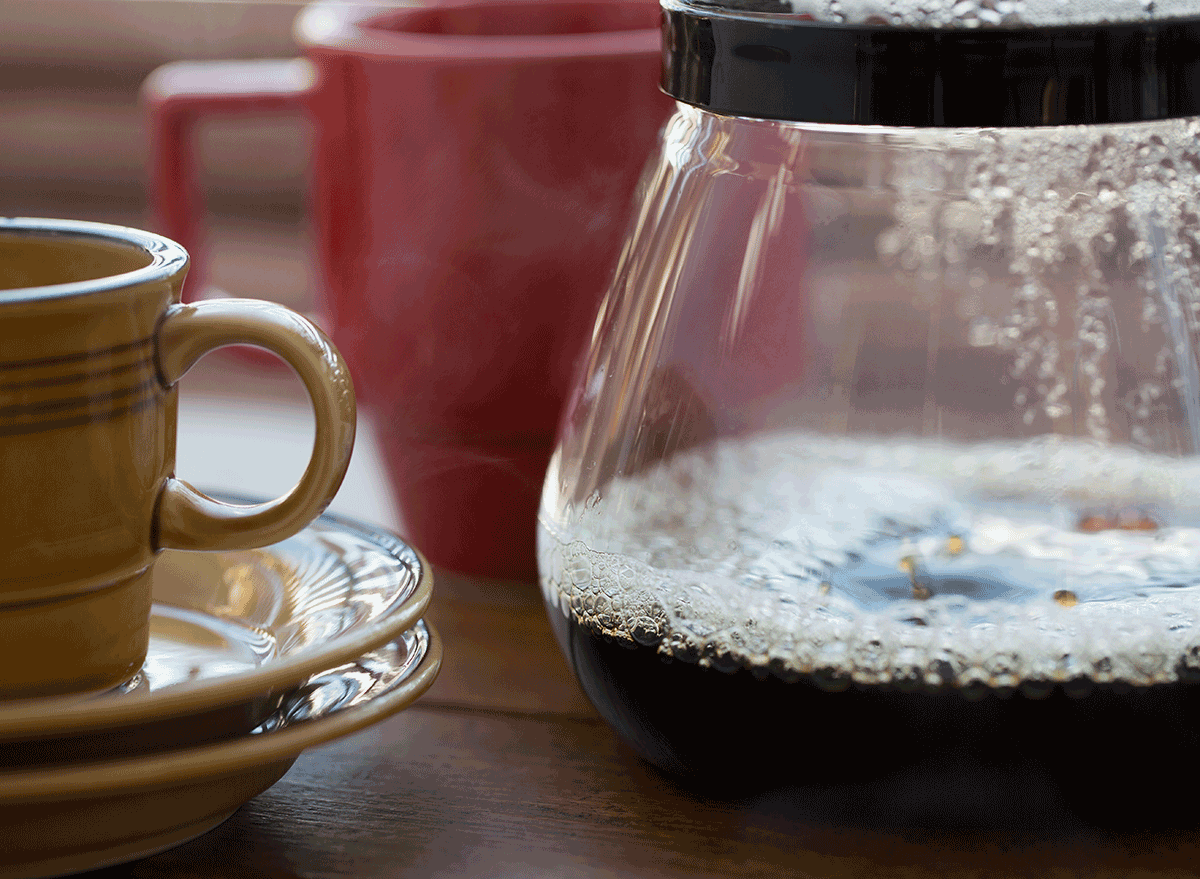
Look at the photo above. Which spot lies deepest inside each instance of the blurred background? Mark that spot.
(73, 144)
(72, 136)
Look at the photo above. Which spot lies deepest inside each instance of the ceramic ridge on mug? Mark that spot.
(78, 388)
(93, 338)
(75, 388)
(166, 257)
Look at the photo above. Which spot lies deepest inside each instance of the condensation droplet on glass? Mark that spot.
(982, 332)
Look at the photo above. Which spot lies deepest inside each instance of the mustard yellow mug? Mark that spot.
(93, 339)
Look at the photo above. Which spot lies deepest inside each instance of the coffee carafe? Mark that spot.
(883, 450)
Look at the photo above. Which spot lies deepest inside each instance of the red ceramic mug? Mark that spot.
(473, 175)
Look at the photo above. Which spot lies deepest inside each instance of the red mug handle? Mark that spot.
(176, 97)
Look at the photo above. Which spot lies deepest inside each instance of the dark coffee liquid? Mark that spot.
(793, 609)
(1109, 754)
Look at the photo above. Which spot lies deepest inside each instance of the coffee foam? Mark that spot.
(723, 555)
(736, 556)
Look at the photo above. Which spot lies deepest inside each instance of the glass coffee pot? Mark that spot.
(883, 451)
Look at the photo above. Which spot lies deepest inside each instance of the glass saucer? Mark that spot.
(82, 816)
(230, 633)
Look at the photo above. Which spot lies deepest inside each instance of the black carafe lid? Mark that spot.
(965, 64)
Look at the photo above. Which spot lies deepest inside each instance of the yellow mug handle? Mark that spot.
(187, 519)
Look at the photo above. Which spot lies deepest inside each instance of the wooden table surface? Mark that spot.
(504, 770)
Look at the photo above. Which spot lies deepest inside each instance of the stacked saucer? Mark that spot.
(255, 655)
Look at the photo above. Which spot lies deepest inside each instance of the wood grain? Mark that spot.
(519, 670)
(486, 780)
(438, 792)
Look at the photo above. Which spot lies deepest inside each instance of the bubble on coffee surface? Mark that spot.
(1063, 219)
(968, 14)
(895, 562)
